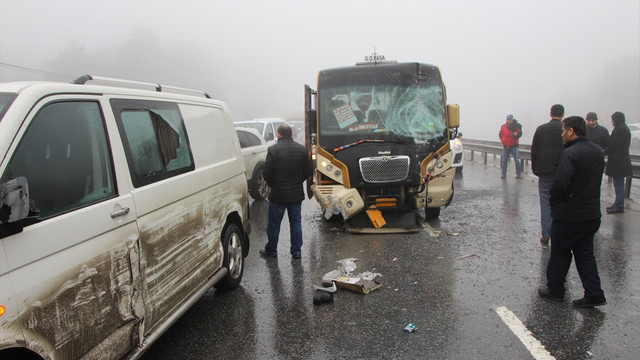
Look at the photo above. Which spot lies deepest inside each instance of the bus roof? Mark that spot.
(409, 67)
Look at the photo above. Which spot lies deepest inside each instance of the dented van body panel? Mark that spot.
(102, 265)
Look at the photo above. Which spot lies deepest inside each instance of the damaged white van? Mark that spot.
(119, 208)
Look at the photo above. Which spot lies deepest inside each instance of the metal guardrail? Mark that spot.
(485, 147)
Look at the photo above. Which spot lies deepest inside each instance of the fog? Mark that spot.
(497, 57)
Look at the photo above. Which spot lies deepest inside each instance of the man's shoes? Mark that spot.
(519, 177)
(296, 256)
(543, 291)
(503, 177)
(544, 240)
(586, 303)
(265, 253)
(615, 210)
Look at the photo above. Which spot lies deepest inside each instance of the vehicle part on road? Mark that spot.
(410, 328)
(321, 297)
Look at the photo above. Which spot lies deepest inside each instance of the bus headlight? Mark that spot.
(456, 145)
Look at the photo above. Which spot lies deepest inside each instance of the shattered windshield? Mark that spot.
(395, 105)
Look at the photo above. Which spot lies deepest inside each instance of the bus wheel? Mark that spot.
(431, 213)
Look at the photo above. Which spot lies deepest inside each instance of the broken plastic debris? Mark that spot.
(410, 328)
(348, 265)
(453, 233)
(330, 289)
(363, 283)
(465, 256)
(432, 232)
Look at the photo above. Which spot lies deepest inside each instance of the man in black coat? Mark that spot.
(618, 161)
(575, 209)
(287, 166)
(546, 148)
(596, 133)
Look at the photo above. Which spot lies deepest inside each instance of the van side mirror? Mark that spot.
(453, 115)
(15, 213)
(14, 200)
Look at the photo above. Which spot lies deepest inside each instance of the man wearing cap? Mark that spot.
(596, 133)
(509, 134)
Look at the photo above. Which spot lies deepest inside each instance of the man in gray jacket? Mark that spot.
(575, 209)
(546, 148)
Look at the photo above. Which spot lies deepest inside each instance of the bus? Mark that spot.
(379, 136)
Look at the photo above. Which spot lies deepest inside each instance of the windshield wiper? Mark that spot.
(335, 150)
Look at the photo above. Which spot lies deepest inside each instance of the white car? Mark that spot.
(254, 150)
(267, 127)
(458, 153)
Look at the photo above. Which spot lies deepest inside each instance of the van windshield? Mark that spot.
(5, 101)
(256, 125)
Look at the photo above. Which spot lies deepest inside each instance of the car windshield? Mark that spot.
(399, 105)
(5, 101)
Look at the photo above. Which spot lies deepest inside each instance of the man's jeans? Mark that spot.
(276, 213)
(618, 187)
(544, 186)
(515, 152)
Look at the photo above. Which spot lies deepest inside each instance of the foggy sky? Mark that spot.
(497, 57)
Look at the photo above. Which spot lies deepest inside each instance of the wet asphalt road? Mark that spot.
(450, 280)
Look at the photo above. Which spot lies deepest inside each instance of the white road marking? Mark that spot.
(526, 337)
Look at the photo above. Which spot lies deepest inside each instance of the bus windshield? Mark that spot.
(401, 103)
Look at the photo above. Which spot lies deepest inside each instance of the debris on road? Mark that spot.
(343, 277)
(410, 328)
(465, 256)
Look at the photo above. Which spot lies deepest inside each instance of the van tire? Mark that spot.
(233, 257)
(259, 189)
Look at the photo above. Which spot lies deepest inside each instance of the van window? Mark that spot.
(155, 140)
(65, 157)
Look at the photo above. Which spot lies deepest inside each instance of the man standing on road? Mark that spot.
(546, 148)
(618, 161)
(596, 133)
(575, 209)
(287, 166)
(509, 134)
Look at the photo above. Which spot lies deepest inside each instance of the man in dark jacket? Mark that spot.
(596, 133)
(618, 162)
(575, 209)
(287, 166)
(546, 148)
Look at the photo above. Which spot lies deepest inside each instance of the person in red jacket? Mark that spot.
(510, 133)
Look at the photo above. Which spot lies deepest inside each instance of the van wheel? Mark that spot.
(260, 190)
(431, 213)
(233, 259)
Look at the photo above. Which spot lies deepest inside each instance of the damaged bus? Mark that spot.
(378, 133)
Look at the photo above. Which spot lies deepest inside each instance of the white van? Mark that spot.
(119, 208)
(267, 127)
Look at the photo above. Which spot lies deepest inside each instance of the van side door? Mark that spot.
(73, 272)
(177, 256)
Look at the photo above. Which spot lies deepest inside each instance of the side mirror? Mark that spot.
(14, 200)
(453, 114)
